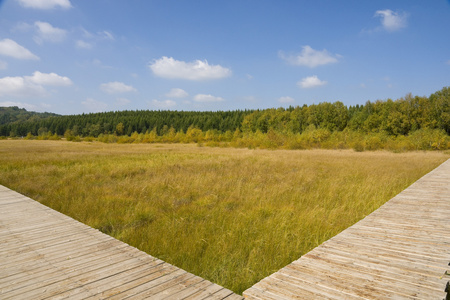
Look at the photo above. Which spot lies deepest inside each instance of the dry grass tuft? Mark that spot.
(232, 216)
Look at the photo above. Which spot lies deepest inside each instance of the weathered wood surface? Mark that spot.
(400, 251)
(47, 255)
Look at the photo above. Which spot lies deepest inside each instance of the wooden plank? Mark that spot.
(47, 255)
(351, 279)
(25, 273)
(204, 293)
(133, 283)
(154, 285)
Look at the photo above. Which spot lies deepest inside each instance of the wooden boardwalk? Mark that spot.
(47, 255)
(400, 251)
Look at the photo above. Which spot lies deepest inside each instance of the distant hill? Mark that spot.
(14, 114)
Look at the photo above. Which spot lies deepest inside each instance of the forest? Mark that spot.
(408, 123)
(14, 114)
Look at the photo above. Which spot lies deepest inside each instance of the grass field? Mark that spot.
(232, 216)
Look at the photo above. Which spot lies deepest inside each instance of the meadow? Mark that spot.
(232, 216)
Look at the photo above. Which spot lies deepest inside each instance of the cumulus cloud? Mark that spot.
(31, 86)
(207, 98)
(45, 4)
(80, 44)
(51, 79)
(20, 87)
(46, 32)
(167, 67)
(116, 87)
(177, 93)
(10, 48)
(165, 104)
(310, 57)
(310, 82)
(94, 105)
(286, 99)
(392, 21)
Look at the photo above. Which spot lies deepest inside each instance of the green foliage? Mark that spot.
(409, 123)
(14, 114)
(127, 122)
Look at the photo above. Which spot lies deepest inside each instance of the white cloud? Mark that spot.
(286, 99)
(11, 48)
(31, 86)
(116, 87)
(3, 65)
(80, 44)
(207, 98)
(122, 101)
(310, 57)
(46, 32)
(27, 106)
(94, 105)
(106, 35)
(89, 40)
(166, 104)
(310, 82)
(20, 87)
(45, 4)
(86, 33)
(177, 93)
(392, 21)
(51, 79)
(448, 62)
(22, 27)
(167, 67)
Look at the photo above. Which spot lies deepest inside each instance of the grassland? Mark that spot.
(232, 216)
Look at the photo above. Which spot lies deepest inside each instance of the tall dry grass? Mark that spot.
(232, 216)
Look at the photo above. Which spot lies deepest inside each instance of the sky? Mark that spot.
(82, 56)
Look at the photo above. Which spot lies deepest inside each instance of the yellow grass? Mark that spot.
(232, 216)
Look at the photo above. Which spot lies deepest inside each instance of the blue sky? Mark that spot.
(75, 56)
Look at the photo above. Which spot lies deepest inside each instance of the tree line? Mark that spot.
(399, 117)
(126, 123)
(413, 122)
(14, 114)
